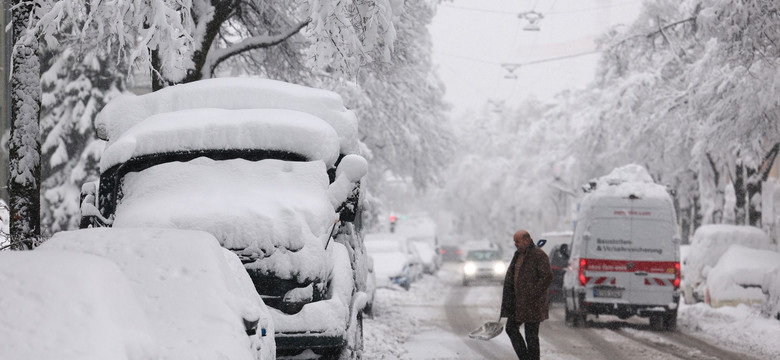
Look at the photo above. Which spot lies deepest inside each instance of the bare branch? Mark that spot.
(252, 43)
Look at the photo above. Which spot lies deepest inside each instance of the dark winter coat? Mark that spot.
(525, 286)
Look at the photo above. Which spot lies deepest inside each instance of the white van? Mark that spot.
(625, 253)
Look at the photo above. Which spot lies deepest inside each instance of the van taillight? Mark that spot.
(676, 275)
(582, 272)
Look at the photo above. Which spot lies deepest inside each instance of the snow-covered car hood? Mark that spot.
(277, 210)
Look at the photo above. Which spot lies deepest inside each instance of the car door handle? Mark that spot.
(640, 273)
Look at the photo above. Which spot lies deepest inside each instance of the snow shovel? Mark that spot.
(487, 331)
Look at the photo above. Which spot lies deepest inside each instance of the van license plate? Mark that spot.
(609, 293)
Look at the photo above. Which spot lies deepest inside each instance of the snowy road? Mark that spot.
(432, 319)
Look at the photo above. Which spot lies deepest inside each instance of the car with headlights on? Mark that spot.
(483, 264)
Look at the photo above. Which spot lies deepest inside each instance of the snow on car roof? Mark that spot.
(219, 129)
(272, 208)
(185, 287)
(125, 111)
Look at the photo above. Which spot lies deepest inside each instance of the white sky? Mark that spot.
(472, 38)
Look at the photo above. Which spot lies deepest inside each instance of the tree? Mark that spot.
(187, 41)
(75, 88)
(24, 144)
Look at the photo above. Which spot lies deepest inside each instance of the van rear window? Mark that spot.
(631, 238)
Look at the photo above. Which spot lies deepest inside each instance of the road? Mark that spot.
(441, 312)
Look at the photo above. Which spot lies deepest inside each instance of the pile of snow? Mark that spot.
(629, 180)
(277, 210)
(739, 274)
(69, 306)
(709, 242)
(195, 302)
(218, 129)
(124, 112)
(742, 327)
(630, 172)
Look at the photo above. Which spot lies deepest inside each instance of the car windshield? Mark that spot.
(483, 255)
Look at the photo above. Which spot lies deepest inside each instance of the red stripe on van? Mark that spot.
(656, 267)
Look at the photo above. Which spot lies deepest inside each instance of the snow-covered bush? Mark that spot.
(739, 274)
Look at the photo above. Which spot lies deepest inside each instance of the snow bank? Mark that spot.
(68, 305)
(742, 328)
(277, 210)
(230, 93)
(218, 129)
(183, 283)
(709, 242)
(738, 276)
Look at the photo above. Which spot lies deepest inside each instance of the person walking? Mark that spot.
(524, 299)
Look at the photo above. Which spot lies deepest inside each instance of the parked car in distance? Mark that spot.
(394, 262)
(483, 264)
(559, 261)
(450, 253)
(430, 260)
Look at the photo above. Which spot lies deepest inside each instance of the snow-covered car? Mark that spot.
(708, 244)
(394, 262)
(55, 304)
(738, 276)
(483, 264)
(131, 294)
(271, 170)
(428, 256)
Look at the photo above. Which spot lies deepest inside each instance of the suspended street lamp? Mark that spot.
(533, 17)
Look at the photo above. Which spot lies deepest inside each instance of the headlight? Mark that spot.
(470, 268)
(499, 268)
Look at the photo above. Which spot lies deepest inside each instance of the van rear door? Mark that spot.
(656, 257)
(631, 254)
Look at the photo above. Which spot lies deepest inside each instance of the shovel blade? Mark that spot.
(487, 331)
